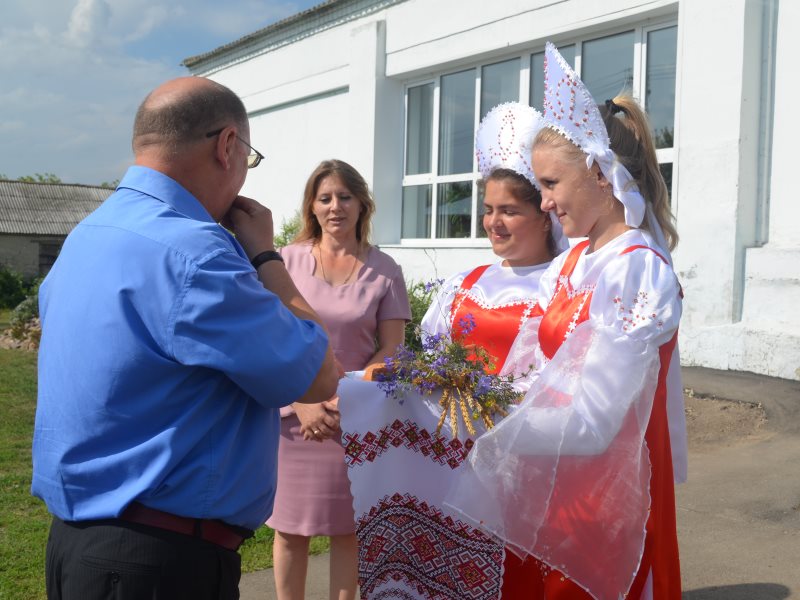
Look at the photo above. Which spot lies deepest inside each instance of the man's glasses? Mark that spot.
(253, 159)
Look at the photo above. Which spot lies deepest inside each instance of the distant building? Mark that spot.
(397, 88)
(35, 218)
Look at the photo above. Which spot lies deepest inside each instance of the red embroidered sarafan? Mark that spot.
(538, 581)
(496, 325)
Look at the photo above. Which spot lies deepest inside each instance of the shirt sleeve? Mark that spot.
(638, 294)
(394, 304)
(437, 317)
(227, 321)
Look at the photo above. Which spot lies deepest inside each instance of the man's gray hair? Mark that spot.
(187, 117)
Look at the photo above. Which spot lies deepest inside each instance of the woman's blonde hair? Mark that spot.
(630, 139)
(354, 182)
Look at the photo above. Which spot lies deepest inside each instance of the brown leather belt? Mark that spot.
(210, 530)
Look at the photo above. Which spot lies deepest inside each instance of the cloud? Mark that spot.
(76, 93)
(74, 72)
(151, 18)
(88, 22)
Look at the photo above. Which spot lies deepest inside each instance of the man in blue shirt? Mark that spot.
(165, 356)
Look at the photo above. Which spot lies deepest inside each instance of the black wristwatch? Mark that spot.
(266, 256)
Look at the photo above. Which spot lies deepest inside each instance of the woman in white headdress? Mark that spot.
(498, 298)
(579, 478)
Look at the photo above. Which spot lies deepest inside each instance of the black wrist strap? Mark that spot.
(266, 256)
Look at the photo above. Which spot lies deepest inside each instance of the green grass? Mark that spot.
(24, 520)
(5, 318)
(257, 551)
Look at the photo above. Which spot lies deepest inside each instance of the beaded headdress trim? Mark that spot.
(570, 109)
(504, 140)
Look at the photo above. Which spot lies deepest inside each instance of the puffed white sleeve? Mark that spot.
(525, 357)
(639, 295)
(437, 317)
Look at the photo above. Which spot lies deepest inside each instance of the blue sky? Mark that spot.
(74, 71)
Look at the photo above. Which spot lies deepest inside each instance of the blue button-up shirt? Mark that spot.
(162, 364)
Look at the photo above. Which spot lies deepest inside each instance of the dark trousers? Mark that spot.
(112, 559)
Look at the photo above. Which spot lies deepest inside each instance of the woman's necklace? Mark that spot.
(322, 268)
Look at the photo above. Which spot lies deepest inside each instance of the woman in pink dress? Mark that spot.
(360, 294)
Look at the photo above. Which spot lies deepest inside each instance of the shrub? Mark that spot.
(24, 324)
(13, 288)
(420, 296)
(289, 229)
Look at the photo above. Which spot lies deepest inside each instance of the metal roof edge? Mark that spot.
(287, 31)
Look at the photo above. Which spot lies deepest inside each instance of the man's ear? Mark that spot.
(224, 148)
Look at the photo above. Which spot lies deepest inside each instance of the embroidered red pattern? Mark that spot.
(405, 540)
(637, 312)
(359, 448)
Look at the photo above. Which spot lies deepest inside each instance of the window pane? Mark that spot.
(662, 47)
(456, 122)
(499, 83)
(419, 129)
(666, 173)
(416, 212)
(454, 210)
(607, 66)
(537, 73)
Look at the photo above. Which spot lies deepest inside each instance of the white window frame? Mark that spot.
(664, 155)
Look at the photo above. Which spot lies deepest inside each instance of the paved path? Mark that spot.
(739, 513)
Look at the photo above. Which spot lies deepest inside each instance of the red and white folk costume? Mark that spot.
(498, 298)
(580, 475)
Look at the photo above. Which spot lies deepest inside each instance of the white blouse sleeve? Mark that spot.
(638, 294)
(525, 357)
(437, 317)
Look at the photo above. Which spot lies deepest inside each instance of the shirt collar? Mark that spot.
(165, 189)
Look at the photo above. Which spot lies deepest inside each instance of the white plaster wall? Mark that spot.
(784, 223)
(740, 305)
(707, 148)
(434, 263)
(424, 35)
(340, 93)
(295, 140)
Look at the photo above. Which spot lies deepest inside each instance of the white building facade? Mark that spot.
(398, 87)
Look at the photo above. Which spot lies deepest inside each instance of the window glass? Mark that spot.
(454, 210)
(662, 48)
(537, 73)
(416, 211)
(456, 122)
(499, 83)
(419, 129)
(607, 66)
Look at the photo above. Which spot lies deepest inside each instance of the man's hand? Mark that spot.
(251, 222)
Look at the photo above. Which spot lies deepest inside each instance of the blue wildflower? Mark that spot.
(483, 386)
(466, 324)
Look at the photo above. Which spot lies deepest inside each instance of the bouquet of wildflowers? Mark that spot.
(458, 370)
